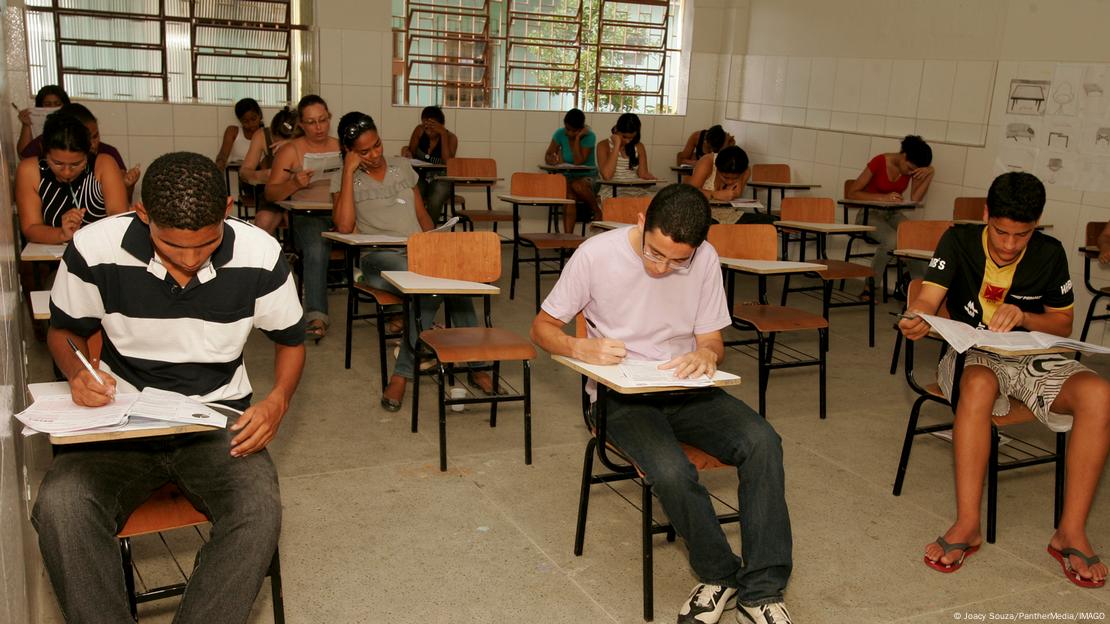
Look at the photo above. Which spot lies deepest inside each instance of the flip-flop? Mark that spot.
(1062, 555)
(315, 330)
(939, 566)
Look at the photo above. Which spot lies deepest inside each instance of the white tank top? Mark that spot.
(240, 146)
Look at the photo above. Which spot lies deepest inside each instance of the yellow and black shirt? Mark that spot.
(976, 286)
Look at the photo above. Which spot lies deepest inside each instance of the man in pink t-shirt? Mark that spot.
(654, 292)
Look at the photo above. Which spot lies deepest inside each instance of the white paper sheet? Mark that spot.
(647, 374)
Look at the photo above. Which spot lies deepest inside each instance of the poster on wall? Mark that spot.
(1027, 97)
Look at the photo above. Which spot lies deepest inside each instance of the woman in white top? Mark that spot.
(290, 180)
(237, 140)
(722, 175)
(623, 157)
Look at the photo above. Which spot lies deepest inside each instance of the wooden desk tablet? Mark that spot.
(770, 267)
(40, 252)
(609, 375)
(913, 254)
(40, 305)
(782, 187)
(682, 170)
(608, 225)
(411, 283)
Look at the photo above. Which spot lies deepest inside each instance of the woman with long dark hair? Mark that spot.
(623, 157)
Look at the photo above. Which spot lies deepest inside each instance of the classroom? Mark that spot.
(452, 484)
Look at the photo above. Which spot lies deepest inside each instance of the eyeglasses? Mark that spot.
(674, 265)
(350, 133)
(316, 122)
(74, 166)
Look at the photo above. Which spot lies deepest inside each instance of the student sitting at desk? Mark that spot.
(1007, 276)
(432, 142)
(885, 179)
(49, 96)
(702, 142)
(722, 175)
(574, 144)
(175, 288)
(623, 157)
(237, 137)
(670, 305)
(69, 186)
(1104, 245)
(255, 169)
(290, 180)
(376, 197)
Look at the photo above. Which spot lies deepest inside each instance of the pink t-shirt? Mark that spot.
(656, 317)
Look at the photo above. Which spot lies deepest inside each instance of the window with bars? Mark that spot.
(597, 55)
(212, 51)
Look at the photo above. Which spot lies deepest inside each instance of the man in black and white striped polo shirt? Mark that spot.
(175, 288)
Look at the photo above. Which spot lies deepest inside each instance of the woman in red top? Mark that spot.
(886, 178)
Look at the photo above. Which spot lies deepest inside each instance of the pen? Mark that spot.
(85, 362)
(14, 106)
(908, 316)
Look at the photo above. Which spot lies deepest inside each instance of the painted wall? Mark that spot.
(1025, 39)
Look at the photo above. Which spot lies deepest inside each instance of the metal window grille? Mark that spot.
(213, 51)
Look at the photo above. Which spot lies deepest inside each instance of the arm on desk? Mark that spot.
(856, 189)
(552, 156)
(230, 134)
(343, 202)
(1104, 245)
(27, 179)
(922, 177)
(282, 184)
(686, 154)
(84, 389)
(547, 332)
(259, 423)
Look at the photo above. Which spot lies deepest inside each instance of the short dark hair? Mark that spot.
(246, 105)
(185, 191)
(1017, 196)
(917, 151)
(65, 132)
(732, 159)
(80, 111)
(433, 112)
(55, 90)
(352, 126)
(284, 124)
(310, 100)
(680, 212)
(716, 136)
(575, 118)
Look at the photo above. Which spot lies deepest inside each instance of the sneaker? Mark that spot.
(706, 604)
(773, 613)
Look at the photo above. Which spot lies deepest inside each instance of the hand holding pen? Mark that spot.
(598, 350)
(90, 387)
(912, 325)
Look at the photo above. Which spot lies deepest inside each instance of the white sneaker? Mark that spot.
(706, 604)
(773, 613)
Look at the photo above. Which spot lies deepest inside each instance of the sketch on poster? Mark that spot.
(1102, 140)
(1015, 159)
(1057, 169)
(1027, 97)
(1064, 98)
(1096, 81)
(1058, 140)
(1020, 132)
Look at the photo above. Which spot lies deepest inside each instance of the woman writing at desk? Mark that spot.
(69, 186)
(289, 179)
(373, 196)
(723, 175)
(885, 179)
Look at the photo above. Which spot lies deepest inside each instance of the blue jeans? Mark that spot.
(459, 309)
(91, 489)
(648, 429)
(315, 254)
(436, 195)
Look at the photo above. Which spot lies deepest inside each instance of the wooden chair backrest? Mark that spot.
(470, 256)
(969, 208)
(624, 209)
(472, 167)
(580, 325)
(923, 234)
(747, 241)
(771, 173)
(915, 289)
(809, 209)
(538, 185)
(1094, 228)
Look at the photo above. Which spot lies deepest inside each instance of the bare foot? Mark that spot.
(956, 534)
(482, 381)
(1060, 540)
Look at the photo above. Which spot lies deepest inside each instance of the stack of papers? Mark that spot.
(746, 203)
(647, 374)
(150, 409)
(963, 337)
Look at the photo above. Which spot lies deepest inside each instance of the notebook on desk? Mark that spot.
(963, 337)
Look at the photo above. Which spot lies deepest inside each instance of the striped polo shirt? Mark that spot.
(156, 333)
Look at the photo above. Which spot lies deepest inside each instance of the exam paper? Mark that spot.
(646, 374)
(59, 414)
(173, 407)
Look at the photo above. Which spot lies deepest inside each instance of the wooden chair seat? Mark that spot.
(554, 240)
(383, 297)
(772, 318)
(934, 389)
(486, 215)
(477, 344)
(839, 269)
(167, 508)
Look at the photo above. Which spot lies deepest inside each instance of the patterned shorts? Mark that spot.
(1034, 380)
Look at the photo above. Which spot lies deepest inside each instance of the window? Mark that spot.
(214, 51)
(597, 55)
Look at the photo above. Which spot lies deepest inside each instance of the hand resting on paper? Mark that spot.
(1006, 317)
(87, 391)
(694, 364)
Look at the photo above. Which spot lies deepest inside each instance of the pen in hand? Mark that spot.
(86, 364)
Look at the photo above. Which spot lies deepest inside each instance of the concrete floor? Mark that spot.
(374, 532)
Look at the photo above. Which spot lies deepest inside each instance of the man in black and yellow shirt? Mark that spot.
(1007, 276)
